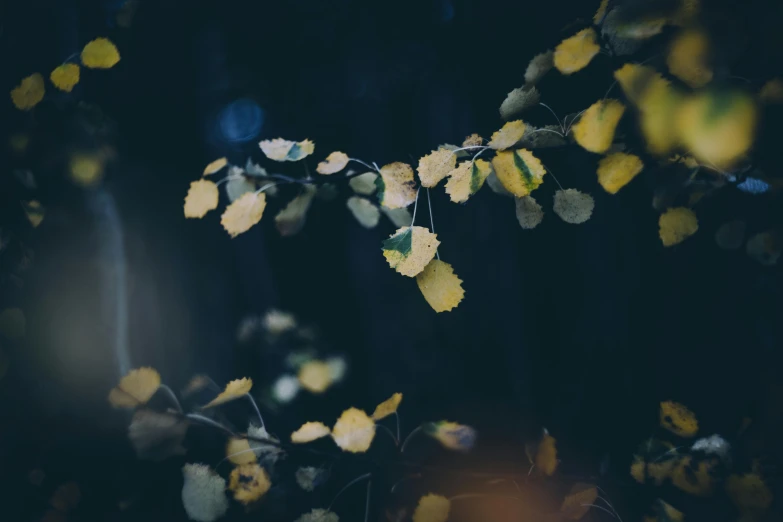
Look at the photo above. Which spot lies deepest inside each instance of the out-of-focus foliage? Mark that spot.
(135, 389)
(234, 390)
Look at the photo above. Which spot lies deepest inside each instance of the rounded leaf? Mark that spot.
(309, 432)
(135, 388)
(242, 214)
(334, 162)
(100, 53)
(410, 249)
(354, 431)
(440, 286)
(202, 197)
(573, 206)
(574, 53)
(617, 170)
(29, 92)
(676, 225)
(432, 508)
(65, 77)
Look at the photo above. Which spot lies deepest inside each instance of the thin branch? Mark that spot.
(387, 430)
(555, 115)
(601, 508)
(255, 406)
(371, 167)
(553, 177)
(409, 437)
(209, 422)
(172, 396)
(367, 503)
(351, 483)
(397, 420)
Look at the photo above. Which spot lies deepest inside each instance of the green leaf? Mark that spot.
(402, 242)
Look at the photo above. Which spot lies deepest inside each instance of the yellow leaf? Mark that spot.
(365, 212)
(451, 435)
(474, 140)
(688, 58)
(694, 478)
(249, 482)
(595, 129)
(309, 432)
(86, 169)
(435, 166)
(315, 376)
(238, 451)
(718, 128)
(658, 105)
(29, 92)
(634, 79)
(34, 211)
(387, 407)
(279, 149)
(508, 135)
(638, 469)
(658, 469)
(749, 493)
(617, 170)
(518, 171)
(574, 53)
(599, 15)
(772, 91)
(440, 286)
(135, 389)
(432, 508)
(202, 197)
(518, 100)
(233, 390)
(396, 185)
(242, 214)
(538, 67)
(12, 323)
(101, 53)
(529, 212)
(334, 162)
(65, 77)
(467, 179)
(409, 249)
(577, 502)
(573, 206)
(546, 456)
(354, 431)
(765, 247)
(215, 166)
(291, 219)
(678, 419)
(676, 225)
(364, 184)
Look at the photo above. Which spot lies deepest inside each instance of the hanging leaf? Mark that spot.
(242, 214)
(474, 140)
(765, 247)
(387, 407)
(334, 162)
(354, 431)
(309, 477)
(309, 432)
(12, 324)
(451, 435)
(203, 493)
(396, 186)
(29, 92)
(731, 235)
(365, 212)
(65, 77)
(678, 419)
(410, 249)
(519, 171)
(202, 197)
(315, 376)
(573, 206)
(435, 166)
(538, 67)
(578, 502)
(432, 508)
(279, 149)
(617, 170)
(665, 513)
(100, 53)
(595, 129)
(676, 225)
(248, 482)
(238, 451)
(291, 219)
(508, 135)
(400, 217)
(234, 390)
(440, 286)
(364, 184)
(529, 212)
(718, 128)
(546, 455)
(215, 166)
(574, 53)
(467, 179)
(135, 388)
(518, 100)
(689, 56)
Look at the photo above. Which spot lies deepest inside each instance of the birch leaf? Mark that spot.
(474, 140)
(242, 214)
(215, 166)
(279, 149)
(387, 407)
(291, 219)
(135, 388)
(364, 184)
(29, 92)
(202, 197)
(315, 376)
(467, 179)
(248, 482)
(100, 53)
(578, 502)
(617, 170)
(440, 286)
(508, 135)
(529, 212)
(432, 508)
(400, 217)
(65, 77)
(410, 249)
(676, 225)
(239, 186)
(365, 212)
(334, 162)
(238, 451)
(574, 53)
(518, 100)
(451, 435)
(395, 185)
(309, 432)
(678, 419)
(688, 58)
(234, 390)
(354, 431)
(595, 129)
(519, 171)
(538, 67)
(546, 455)
(435, 166)
(573, 206)
(34, 211)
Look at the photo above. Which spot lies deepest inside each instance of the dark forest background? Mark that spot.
(579, 329)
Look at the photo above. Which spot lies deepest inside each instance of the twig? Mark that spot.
(351, 483)
(255, 406)
(172, 396)
(387, 430)
(409, 437)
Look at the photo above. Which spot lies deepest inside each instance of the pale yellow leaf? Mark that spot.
(238, 451)
(334, 162)
(689, 56)
(100, 53)
(508, 135)
(364, 184)
(466, 179)
(396, 186)
(409, 249)
(233, 390)
(387, 407)
(29, 92)
(440, 286)
(676, 225)
(315, 376)
(595, 129)
(215, 166)
(202, 197)
(279, 149)
(243, 213)
(574, 53)
(519, 171)
(249, 482)
(435, 166)
(432, 508)
(474, 140)
(617, 170)
(86, 169)
(135, 388)
(309, 432)
(365, 212)
(354, 431)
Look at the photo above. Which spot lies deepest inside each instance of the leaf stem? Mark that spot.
(255, 406)
(409, 437)
(351, 483)
(387, 430)
(432, 222)
(171, 396)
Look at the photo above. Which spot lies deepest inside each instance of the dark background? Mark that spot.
(582, 329)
